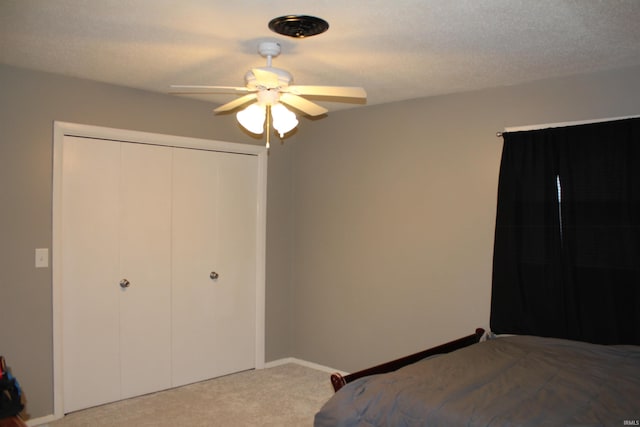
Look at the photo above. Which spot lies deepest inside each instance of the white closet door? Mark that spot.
(116, 226)
(90, 291)
(214, 211)
(145, 262)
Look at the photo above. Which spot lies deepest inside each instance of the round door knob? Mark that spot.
(124, 283)
(214, 275)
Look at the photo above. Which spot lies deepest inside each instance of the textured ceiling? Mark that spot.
(396, 50)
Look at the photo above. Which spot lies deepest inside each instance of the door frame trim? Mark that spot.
(62, 129)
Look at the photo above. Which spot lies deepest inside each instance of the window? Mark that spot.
(567, 241)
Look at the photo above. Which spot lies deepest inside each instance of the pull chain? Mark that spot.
(268, 124)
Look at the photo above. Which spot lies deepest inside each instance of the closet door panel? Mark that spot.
(237, 195)
(195, 249)
(212, 317)
(90, 290)
(145, 262)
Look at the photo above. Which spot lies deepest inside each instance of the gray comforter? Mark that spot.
(508, 381)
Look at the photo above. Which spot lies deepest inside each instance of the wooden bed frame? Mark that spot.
(338, 381)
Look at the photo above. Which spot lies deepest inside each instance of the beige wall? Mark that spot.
(395, 209)
(379, 219)
(29, 103)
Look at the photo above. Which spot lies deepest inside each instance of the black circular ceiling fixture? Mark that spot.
(298, 26)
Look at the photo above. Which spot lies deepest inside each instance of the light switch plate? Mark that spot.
(42, 257)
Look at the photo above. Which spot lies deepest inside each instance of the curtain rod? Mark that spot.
(561, 124)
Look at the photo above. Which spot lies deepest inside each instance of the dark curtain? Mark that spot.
(567, 240)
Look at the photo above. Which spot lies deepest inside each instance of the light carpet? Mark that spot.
(283, 396)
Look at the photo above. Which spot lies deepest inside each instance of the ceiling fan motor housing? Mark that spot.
(284, 78)
(268, 97)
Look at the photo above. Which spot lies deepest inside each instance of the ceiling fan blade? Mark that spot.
(333, 91)
(207, 89)
(236, 103)
(265, 78)
(302, 104)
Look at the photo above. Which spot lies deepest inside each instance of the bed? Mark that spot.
(515, 380)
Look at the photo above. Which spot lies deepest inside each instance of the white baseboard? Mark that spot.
(41, 421)
(311, 365)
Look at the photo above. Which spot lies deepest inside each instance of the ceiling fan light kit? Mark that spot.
(267, 89)
(284, 120)
(252, 118)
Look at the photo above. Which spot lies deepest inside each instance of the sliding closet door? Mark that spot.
(214, 264)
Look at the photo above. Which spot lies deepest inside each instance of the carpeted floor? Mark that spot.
(283, 396)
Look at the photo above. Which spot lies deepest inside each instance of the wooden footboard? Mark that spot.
(338, 381)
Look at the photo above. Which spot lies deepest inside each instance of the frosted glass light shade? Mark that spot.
(252, 118)
(284, 120)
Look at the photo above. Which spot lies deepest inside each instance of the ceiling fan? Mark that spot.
(267, 89)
